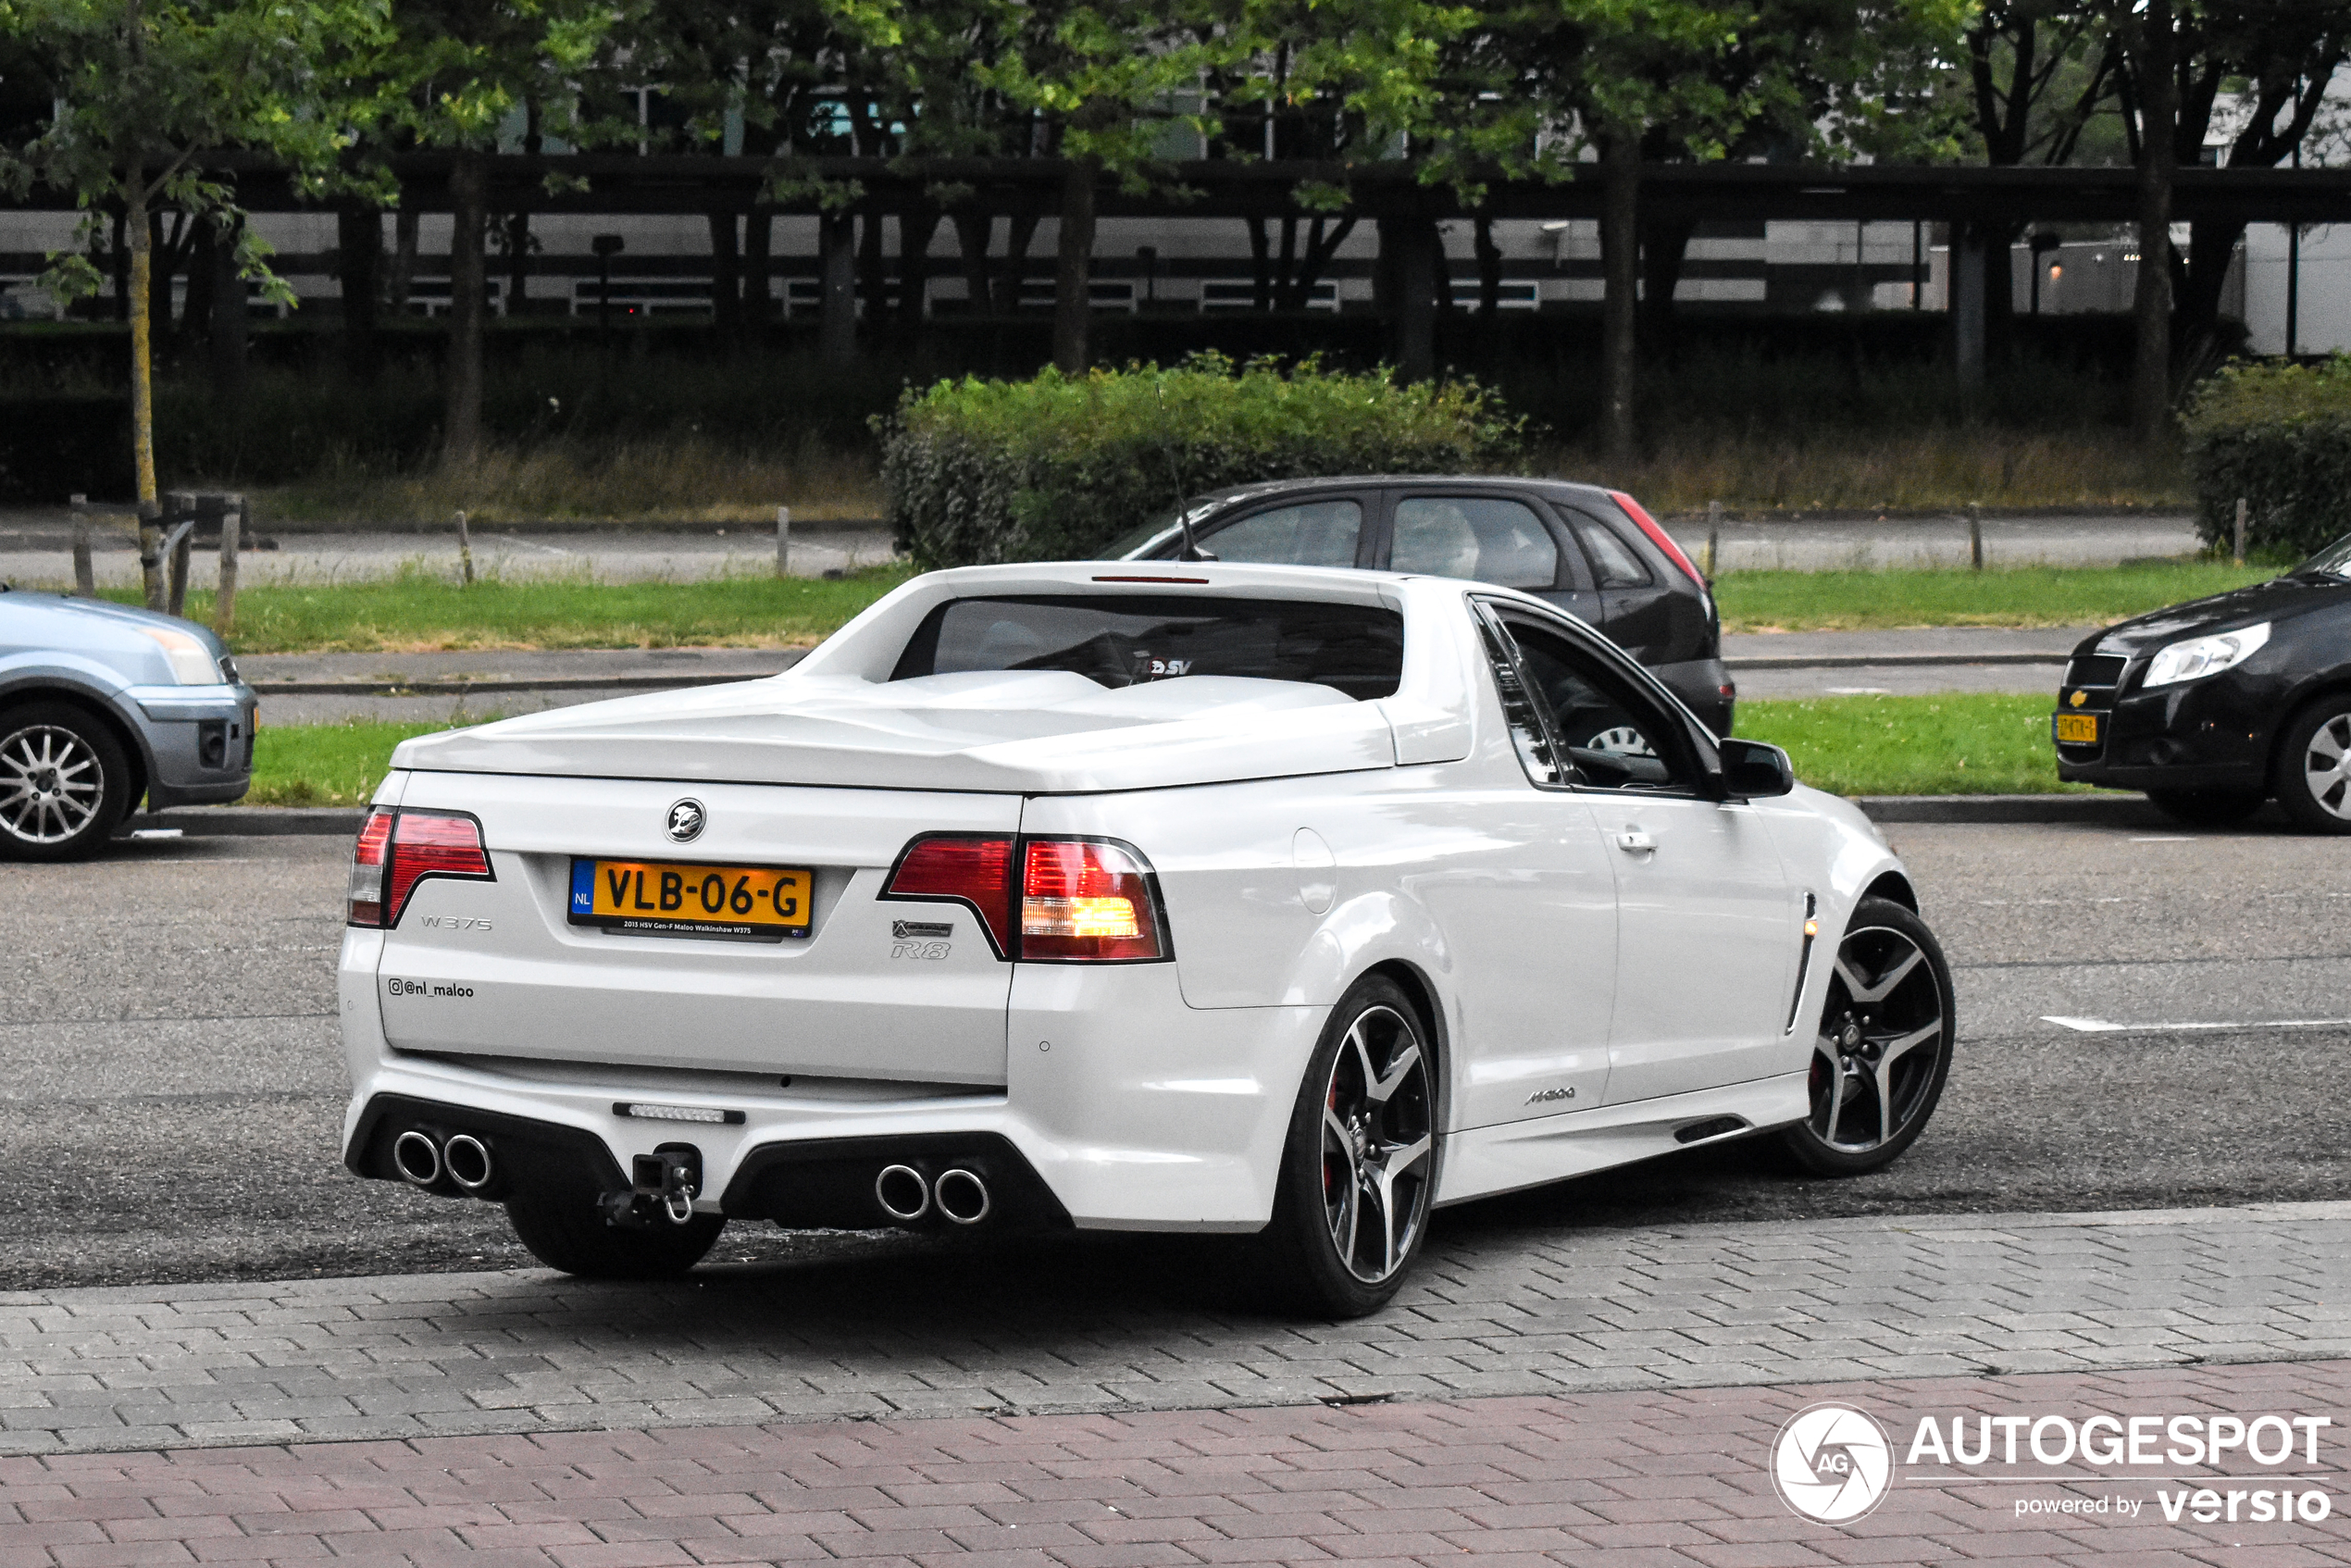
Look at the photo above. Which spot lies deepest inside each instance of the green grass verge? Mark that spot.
(1959, 743)
(1968, 744)
(2024, 596)
(416, 613)
(325, 765)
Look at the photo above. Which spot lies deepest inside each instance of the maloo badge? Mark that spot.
(685, 821)
(1541, 1097)
(2079, 698)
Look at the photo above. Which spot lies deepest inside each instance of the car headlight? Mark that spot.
(191, 661)
(2200, 656)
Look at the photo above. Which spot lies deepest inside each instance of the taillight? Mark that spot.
(1658, 536)
(961, 868)
(1087, 900)
(399, 849)
(368, 869)
(1079, 899)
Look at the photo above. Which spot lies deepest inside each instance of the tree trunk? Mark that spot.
(468, 196)
(359, 238)
(142, 389)
(119, 257)
(2151, 300)
(837, 305)
(973, 230)
(403, 259)
(1619, 261)
(229, 320)
(518, 261)
(725, 277)
(1261, 258)
(1018, 231)
(1408, 256)
(159, 296)
(914, 231)
(1073, 267)
(873, 270)
(2212, 245)
(1665, 248)
(759, 238)
(195, 311)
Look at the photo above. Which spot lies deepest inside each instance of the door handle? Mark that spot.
(1634, 842)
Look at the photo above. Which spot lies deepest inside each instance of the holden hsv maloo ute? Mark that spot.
(1283, 902)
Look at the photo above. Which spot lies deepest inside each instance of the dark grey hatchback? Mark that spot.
(1594, 552)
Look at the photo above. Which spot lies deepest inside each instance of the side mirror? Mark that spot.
(1753, 770)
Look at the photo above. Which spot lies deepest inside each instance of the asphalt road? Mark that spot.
(172, 1088)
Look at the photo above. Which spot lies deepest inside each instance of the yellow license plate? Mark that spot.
(2076, 729)
(671, 899)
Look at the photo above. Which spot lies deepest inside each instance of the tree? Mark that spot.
(461, 69)
(146, 90)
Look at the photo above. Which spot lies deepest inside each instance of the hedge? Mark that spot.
(2279, 436)
(1055, 467)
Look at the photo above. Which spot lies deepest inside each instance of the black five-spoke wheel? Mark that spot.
(1884, 1046)
(1359, 1171)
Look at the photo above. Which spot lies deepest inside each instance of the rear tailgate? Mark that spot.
(497, 968)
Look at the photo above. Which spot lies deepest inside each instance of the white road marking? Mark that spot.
(2179, 839)
(1855, 690)
(2107, 1026)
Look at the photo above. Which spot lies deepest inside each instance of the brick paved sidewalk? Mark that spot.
(1629, 1479)
(1062, 1329)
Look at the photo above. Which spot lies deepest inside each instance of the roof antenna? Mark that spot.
(1191, 552)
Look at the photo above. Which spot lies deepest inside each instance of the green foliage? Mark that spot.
(1055, 467)
(2280, 437)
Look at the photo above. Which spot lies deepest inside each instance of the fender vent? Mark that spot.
(1714, 1126)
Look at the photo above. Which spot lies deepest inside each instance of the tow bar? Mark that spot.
(666, 1183)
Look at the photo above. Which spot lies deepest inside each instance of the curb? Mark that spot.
(1885, 661)
(2088, 811)
(2095, 811)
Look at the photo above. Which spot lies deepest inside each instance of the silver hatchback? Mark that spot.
(102, 706)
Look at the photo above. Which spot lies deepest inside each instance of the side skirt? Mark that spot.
(1481, 1161)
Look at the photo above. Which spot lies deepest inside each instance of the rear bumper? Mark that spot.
(1123, 1109)
(1703, 684)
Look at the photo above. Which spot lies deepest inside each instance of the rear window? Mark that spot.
(1124, 640)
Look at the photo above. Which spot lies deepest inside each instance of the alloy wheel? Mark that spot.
(1378, 1144)
(2326, 766)
(1882, 1038)
(52, 785)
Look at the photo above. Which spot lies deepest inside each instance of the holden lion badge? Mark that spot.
(685, 821)
(1831, 1463)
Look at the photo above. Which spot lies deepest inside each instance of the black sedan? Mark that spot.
(2217, 706)
(1594, 552)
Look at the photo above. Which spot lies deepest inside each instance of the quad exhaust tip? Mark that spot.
(467, 1159)
(903, 1193)
(963, 1196)
(417, 1157)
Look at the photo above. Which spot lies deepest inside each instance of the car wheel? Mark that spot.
(566, 1230)
(2206, 808)
(1359, 1171)
(64, 783)
(2314, 766)
(1884, 1046)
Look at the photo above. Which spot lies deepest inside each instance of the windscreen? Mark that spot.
(2334, 561)
(1124, 640)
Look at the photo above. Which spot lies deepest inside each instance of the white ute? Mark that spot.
(1160, 896)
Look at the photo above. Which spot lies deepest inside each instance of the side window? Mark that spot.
(1613, 560)
(1528, 733)
(1313, 533)
(1607, 735)
(1479, 537)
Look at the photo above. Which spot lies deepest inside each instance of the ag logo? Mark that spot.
(1831, 1463)
(685, 821)
(2079, 698)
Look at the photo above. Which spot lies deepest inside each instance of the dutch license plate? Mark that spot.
(2075, 729)
(671, 899)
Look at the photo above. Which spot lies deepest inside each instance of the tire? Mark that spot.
(1358, 1171)
(2318, 799)
(1884, 1046)
(564, 1230)
(64, 783)
(2206, 808)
